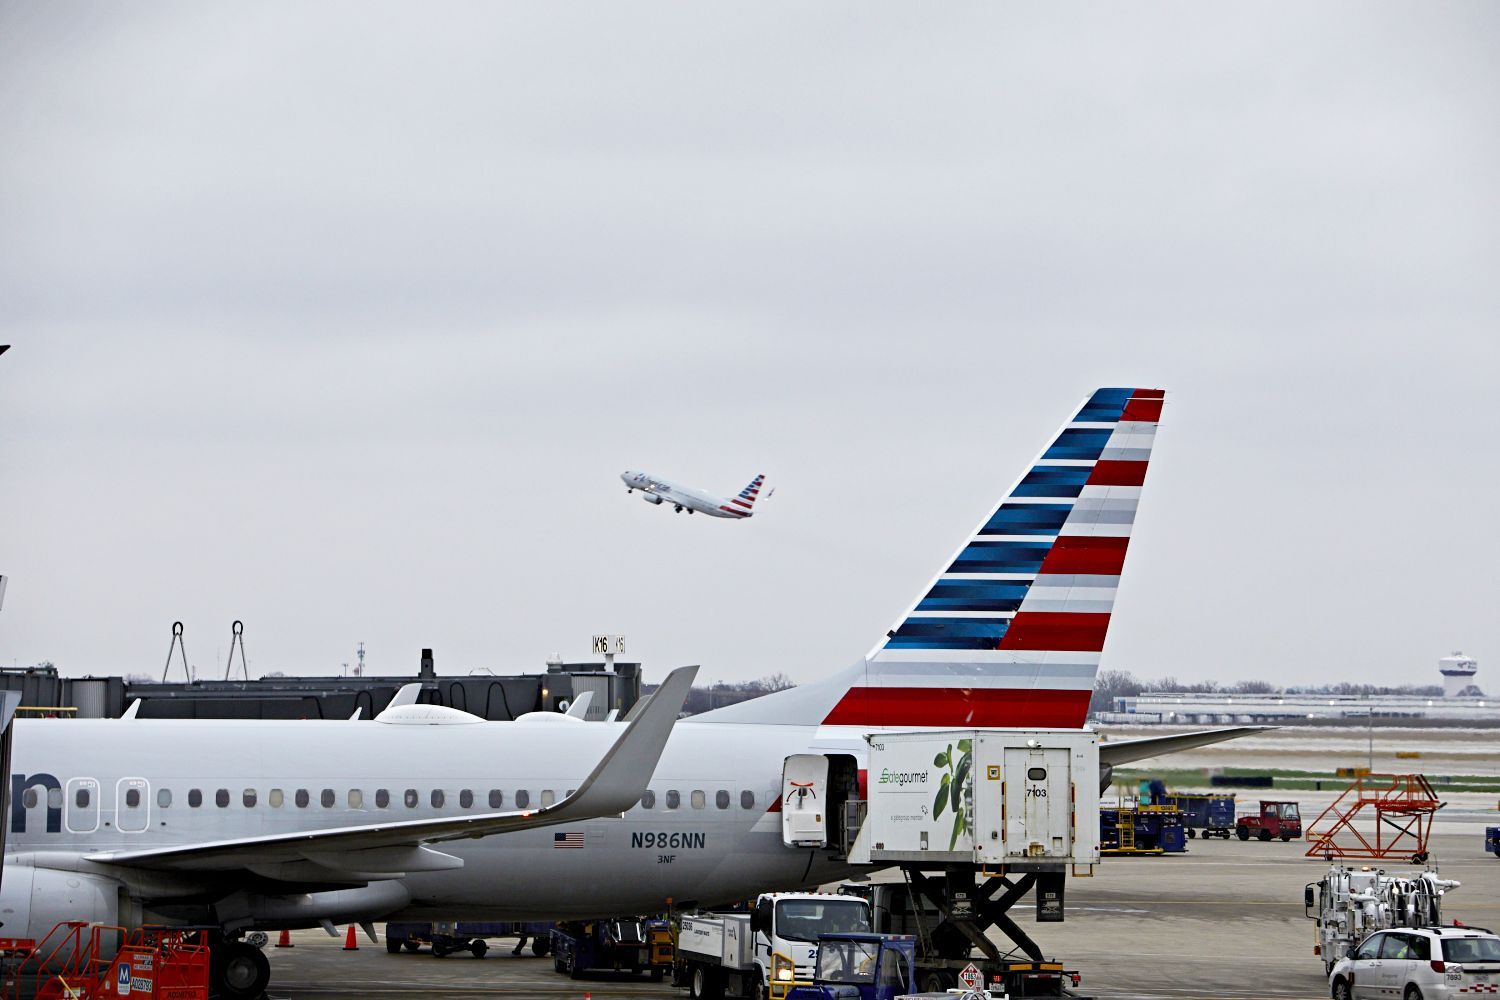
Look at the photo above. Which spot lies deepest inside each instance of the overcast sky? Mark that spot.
(343, 319)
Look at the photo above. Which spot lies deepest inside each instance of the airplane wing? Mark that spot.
(1113, 754)
(386, 850)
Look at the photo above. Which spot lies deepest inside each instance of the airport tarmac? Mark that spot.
(1223, 920)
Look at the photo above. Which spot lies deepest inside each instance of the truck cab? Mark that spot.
(1276, 819)
(859, 967)
(735, 954)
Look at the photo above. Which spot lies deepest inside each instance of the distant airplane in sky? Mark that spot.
(659, 491)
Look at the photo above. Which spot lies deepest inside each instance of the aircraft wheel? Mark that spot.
(679, 509)
(238, 971)
(1244, 832)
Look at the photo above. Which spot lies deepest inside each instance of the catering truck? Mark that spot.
(734, 954)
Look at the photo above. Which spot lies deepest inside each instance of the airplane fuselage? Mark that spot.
(680, 497)
(719, 842)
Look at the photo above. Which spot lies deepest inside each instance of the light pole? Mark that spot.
(1370, 729)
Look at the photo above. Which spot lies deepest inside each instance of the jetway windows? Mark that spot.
(437, 798)
(497, 798)
(382, 798)
(301, 798)
(698, 799)
(328, 798)
(674, 799)
(466, 799)
(164, 798)
(523, 798)
(276, 798)
(548, 797)
(356, 799)
(195, 798)
(410, 798)
(248, 797)
(721, 799)
(83, 805)
(648, 799)
(221, 798)
(747, 799)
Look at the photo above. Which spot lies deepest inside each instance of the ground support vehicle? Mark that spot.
(1350, 904)
(1492, 840)
(69, 963)
(1275, 819)
(857, 967)
(445, 938)
(947, 926)
(721, 954)
(1424, 963)
(1380, 816)
(631, 945)
(1127, 830)
(1202, 815)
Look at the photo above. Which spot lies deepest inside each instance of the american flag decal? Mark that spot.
(567, 840)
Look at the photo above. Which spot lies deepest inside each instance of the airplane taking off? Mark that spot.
(686, 498)
(430, 813)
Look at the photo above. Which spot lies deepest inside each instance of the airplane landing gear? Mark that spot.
(679, 508)
(237, 971)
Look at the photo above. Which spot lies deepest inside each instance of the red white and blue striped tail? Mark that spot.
(1010, 631)
(739, 506)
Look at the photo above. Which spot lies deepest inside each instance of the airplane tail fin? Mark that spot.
(745, 501)
(1010, 630)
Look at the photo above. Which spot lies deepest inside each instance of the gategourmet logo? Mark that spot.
(888, 777)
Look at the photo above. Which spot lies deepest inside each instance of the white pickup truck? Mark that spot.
(733, 954)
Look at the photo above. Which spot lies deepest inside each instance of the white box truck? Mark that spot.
(996, 798)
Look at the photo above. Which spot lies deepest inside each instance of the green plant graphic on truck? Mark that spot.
(953, 790)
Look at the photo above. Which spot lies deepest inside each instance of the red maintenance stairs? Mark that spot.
(152, 963)
(1402, 807)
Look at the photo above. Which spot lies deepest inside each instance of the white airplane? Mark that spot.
(430, 813)
(686, 498)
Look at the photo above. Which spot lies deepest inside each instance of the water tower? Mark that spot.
(1458, 673)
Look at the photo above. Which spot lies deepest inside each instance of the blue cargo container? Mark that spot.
(1492, 840)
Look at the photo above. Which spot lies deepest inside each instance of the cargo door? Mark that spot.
(804, 801)
(1038, 802)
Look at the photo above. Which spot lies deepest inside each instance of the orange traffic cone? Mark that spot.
(349, 943)
(285, 941)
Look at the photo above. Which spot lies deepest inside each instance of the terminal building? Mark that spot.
(1462, 703)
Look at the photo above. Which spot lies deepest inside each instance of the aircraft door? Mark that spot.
(804, 801)
(81, 805)
(132, 805)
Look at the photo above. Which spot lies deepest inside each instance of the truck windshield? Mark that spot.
(848, 961)
(1289, 811)
(805, 919)
(1474, 949)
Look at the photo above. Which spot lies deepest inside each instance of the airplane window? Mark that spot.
(356, 799)
(276, 798)
(410, 797)
(721, 799)
(497, 798)
(648, 800)
(54, 798)
(437, 798)
(81, 798)
(301, 798)
(164, 798)
(249, 798)
(570, 793)
(132, 798)
(466, 799)
(382, 798)
(548, 797)
(674, 799)
(523, 798)
(328, 798)
(747, 799)
(28, 798)
(221, 798)
(698, 799)
(195, 798)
